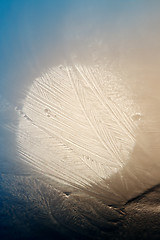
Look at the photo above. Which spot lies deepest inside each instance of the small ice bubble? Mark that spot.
(47, 112)
(136, 117)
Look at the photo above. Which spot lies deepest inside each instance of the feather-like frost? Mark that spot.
(80, 126)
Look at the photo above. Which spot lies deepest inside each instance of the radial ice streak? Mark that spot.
(79, 124)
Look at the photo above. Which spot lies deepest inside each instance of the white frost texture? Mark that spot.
(80, 125)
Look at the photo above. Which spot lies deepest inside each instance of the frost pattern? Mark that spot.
(76, 125)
